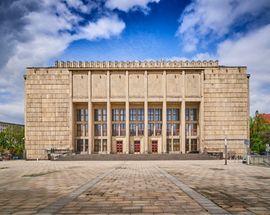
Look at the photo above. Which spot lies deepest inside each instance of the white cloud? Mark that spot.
(46, 34)
(103, 28)
(205, 20)
(237, 33)
(251, 50)
(126, 5)
(12, 112)
(32, 32)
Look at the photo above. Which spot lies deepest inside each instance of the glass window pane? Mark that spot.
(97, 130)
(140, 129)
(86, 129)
(150, 129)
(132, 129)
(115, 130)
(122, 129)
(104, 130)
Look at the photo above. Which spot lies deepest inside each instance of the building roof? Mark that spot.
(266, 117)
(9, 123)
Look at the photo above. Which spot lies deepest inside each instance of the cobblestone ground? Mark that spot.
(28, 187)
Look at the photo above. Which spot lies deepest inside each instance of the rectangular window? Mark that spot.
(80, 115)
(100, 115)
(97, 130)
(122, 129)
(176, 128)
(104, 130)
(132, 129)
(86, 129)
(169, 129)
(140, 129)
(97, 146)
(194, 145)
(158, 128)
(104, 145)
(191, 114)
(118, 115)
(169, 145)
(115, 130)
(151, 129)
(158, 115)
(79, 130)
(176, 145)
(151, 114)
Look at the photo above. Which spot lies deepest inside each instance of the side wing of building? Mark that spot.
(131, 107)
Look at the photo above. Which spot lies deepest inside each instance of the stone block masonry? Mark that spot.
(136, 107)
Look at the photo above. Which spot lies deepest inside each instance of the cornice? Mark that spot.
(135, 64)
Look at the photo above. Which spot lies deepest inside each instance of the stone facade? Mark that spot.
(136, 107)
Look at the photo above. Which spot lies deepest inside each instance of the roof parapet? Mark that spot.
(135, 64)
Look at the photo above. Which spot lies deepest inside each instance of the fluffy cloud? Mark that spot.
(125, 5)
(205, 21)
(252, 50)
(236, 33)
(32, 32)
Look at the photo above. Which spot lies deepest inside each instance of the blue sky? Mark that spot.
(36, 33)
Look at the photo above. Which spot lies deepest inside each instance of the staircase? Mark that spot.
(135, 157)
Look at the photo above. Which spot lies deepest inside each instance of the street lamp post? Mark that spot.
(226, 147)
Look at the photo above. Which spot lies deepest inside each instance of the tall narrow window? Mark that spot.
(155, 121)
(136, 117)
(100, 122)
(118, 122)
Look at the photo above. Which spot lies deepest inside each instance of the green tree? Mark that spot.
(12, 140)
(259, 133)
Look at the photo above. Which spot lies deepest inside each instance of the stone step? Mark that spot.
(136, 157)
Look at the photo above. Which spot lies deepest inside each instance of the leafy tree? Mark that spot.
(259, 133)
(12, 140)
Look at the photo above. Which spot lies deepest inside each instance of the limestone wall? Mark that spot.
(226, 110)
(47, 96)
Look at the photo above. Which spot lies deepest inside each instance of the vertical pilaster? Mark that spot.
(109, 118)
(201, 115)
(183, 115)
(164, 114)
(127, 113)
(90, 114)
(145, 112)
(71, 122)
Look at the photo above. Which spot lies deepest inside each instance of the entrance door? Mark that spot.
(154, 146)
(119, 146)
(137, 146)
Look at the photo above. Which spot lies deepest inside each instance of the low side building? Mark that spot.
(4, 125)
(136, 107)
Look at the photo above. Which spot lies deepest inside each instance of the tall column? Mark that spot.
(183, 124)
(145, 113)
(164, 126)
(90, 115)
(183, 115)
(109, 118)
(71, 121)
(164, 114)
(201, 115)
(127, 113)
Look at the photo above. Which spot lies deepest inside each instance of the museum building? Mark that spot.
(136, 107)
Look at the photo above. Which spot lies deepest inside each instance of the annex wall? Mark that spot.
(226, 108)
(47, 110)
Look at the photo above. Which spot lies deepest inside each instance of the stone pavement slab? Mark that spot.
(133, 187)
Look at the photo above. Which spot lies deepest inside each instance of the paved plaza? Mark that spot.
(125, 187)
